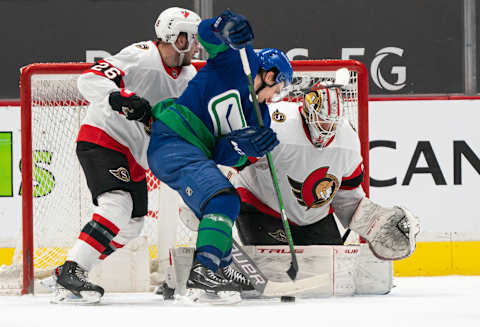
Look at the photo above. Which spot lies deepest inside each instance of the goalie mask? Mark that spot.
(174, 21)
(322, 109)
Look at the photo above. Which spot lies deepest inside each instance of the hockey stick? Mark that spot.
(345, 236)
(267, 287)
(293, 270)
(247, 266)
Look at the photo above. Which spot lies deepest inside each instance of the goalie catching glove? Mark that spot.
(131, 105)
(390, 232)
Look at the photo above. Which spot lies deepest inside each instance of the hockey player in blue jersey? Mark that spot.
(214, 122)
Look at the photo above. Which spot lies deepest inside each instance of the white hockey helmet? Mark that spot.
(173, 21)
(323, 107)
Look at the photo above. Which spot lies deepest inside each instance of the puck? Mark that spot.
(287, 299)
(167, 292)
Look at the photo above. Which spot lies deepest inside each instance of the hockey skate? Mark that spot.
(231, 274)
(49, 283)
(205, 286)
(72, 285)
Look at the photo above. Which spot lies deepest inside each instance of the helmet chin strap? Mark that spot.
(182, 53)
(180, 58)
(261, 86)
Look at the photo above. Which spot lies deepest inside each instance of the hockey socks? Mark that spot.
(214, 240)
(227, 258)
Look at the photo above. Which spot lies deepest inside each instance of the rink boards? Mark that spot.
(424, 156)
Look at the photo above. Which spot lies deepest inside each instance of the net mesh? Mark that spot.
(61, 200)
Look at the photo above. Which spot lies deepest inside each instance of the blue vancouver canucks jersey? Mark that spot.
(216, 101)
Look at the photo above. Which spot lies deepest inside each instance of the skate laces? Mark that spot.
(210, 274)
(80, 273)
(234, 275)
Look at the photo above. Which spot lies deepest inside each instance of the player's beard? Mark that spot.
(187, 60)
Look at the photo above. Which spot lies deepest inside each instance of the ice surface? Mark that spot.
(434, 301)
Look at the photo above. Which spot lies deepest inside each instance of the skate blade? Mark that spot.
(225, 297)
(65, 296)
(191, 296)
(253, 294)
(49, 283)
(198, 296)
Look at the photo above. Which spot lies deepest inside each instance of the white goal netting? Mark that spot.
(61, 200)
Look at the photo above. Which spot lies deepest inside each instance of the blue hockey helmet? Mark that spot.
(274, 58)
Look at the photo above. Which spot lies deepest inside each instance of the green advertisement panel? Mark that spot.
(6, 179)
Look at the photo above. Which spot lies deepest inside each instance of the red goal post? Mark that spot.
(306, 73)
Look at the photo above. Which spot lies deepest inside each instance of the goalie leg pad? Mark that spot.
(390, 232)
(372, 275)
(182, 259)
(336, 264)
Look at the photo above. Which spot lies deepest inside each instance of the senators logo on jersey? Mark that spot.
(121, 173)
(143, 46)
(278, 116)
(278, 235)
(316, 190)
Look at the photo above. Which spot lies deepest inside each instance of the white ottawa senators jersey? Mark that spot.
(309, 177)
(138, 68)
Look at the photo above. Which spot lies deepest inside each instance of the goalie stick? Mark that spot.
(293, 270)
(270, 288)
(342, 77)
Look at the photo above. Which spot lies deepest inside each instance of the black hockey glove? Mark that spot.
(233, 29)
(131, 105)
(253, 141)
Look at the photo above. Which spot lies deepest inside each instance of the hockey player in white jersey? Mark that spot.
(113, 140)
(320, 171)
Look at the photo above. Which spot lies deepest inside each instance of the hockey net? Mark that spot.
(56, 201)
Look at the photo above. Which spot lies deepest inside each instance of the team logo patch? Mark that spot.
(278, 116)
(121, 173)
(142, 46)
(237, 148)
(148, 129)
(317, 189)
(278, 235)
(314, 99)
